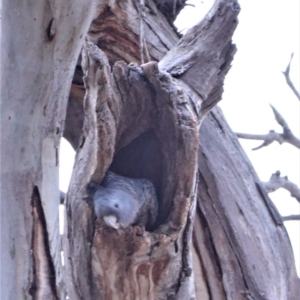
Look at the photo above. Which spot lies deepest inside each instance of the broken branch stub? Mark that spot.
(202, 57)
(289, 82)
(276, 182)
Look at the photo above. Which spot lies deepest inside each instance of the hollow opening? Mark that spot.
(192, 14)
(142, 158)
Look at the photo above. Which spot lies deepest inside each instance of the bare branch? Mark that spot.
(62, 197)
(276, 182)
(287, 134)
(280, 120)
(286, 137)
(268, 139)
(192, 5)
(286, 74)
(291, 218)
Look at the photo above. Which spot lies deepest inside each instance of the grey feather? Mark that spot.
(125, 201)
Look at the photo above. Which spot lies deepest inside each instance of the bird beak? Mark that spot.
(112, 222)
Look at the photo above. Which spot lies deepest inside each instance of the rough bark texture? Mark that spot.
(140, 121)
(143, 122)
(239, 236)
(126, 104)
(40, 44)
(146, 103)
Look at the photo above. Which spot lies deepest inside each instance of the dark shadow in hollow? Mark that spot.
(142, 158)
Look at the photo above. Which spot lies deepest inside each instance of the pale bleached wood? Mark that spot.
(40, 43)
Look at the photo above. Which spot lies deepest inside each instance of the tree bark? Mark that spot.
(222, 267)
(140, 121)
(239, 237)
(40, 44)
(130, 109)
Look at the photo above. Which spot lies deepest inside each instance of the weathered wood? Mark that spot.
(125, 103)
(139, 121)
(129, 98)
(241, 238)
(40, 43)
(202, 59)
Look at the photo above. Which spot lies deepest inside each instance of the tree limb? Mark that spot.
(189, 61)
(276, 181)
(286, 137)
(215, 172)
(291, 218)
(286, 74)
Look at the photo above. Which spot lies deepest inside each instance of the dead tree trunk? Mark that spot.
(40, 43)
(143, 121)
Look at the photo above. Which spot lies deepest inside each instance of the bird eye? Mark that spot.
(117, 205)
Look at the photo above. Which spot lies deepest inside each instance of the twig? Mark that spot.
(286, 74)
(276, 182)
(286, 137)
(143, 45)
(291, 218)
(188, 4)
(62, 197)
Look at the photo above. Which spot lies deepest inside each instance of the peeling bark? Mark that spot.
(120, 105)
(40, 43)
(141, 121)
(43, 284)
(123, 103)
